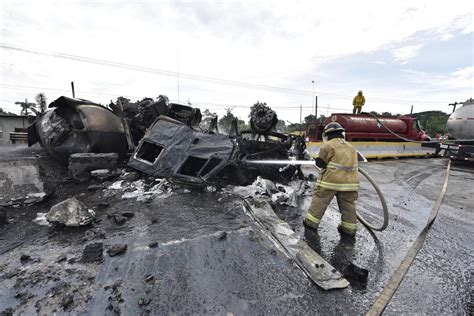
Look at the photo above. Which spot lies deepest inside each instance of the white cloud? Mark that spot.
(275, 43)
(462, 78)
(403, 54)
(447, 37)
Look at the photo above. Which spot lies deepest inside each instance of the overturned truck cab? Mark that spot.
(174, 150)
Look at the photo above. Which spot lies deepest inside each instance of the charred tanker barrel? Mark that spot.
(78, 126)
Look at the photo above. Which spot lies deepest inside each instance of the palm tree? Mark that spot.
(41, 102)
(25, 106)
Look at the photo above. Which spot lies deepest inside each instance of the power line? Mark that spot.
(7, 101)
(203, 103)
(197, 77)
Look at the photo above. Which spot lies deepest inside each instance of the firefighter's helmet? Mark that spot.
(332, 127)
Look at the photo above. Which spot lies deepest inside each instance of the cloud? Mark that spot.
(272, 43)
(461, 78)
(447, 37)
(403, 54)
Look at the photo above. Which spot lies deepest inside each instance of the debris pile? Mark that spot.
(274, 193)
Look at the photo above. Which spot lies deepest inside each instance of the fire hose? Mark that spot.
(382, 200)
(389, 290)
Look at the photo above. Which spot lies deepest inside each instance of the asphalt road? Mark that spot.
(199, 253)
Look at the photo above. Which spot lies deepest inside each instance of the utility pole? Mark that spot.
(411, 111)
(177, 70)
(73, 91)
(313, 95)
(26, 112)
(301, 118)
(316, 108)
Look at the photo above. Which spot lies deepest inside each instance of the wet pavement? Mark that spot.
(199, 253)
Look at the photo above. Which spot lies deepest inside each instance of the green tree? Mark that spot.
(281, 126)
(242, 126)
(207, 117)
(25, 106)
(225, 122)
(41, 101)
(432, 122)
(310, 118)
(294, 127)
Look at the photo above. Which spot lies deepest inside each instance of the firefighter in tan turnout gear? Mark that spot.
(358, 102)
(339, 178)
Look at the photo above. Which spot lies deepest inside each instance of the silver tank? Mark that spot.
(460, 123)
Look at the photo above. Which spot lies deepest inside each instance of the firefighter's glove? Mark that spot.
(320, 163)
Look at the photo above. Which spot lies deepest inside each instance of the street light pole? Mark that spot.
(313, 96)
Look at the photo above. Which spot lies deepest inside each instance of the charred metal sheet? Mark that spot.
(315, 267)
(78, 126)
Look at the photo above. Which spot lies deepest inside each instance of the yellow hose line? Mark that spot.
(384, 298)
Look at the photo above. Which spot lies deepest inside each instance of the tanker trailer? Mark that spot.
(460, 126)
(364, 127)
(371, 136)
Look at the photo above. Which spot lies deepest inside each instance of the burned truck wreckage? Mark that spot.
(78, 126)
(165, 140)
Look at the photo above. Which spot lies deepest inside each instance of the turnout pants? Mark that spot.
(357, 108)
(346, 201)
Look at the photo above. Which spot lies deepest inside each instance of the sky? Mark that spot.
(230, 54)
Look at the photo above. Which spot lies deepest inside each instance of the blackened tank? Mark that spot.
(78, 126)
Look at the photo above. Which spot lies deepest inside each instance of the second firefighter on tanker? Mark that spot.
(358, 102)
(340, 179)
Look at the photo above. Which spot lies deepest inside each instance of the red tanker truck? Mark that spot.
(364, 127)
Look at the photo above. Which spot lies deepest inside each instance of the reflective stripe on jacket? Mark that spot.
(341, 173)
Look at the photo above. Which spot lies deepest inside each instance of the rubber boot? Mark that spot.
(346, 232)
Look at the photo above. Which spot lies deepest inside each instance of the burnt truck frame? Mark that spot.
(166, 140)
(175, 150)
